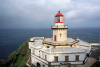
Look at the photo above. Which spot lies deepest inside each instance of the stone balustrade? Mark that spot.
(60, 44)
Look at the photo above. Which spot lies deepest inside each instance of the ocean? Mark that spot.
(12, 39)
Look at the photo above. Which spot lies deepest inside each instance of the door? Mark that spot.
(38, 64)
(55, 38)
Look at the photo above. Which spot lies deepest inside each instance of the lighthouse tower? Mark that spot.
(59, 30)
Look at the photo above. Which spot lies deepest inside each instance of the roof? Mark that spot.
(69, 40)
(58, 14)
(66, 50)
(38, 43)
(38, 38)
(83, 43)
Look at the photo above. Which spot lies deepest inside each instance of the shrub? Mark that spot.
(26, 58)
(13, 56)
(24, 48)
(65, 63)
(43, 65)
(61, 63)
(19, 61)
(2, 63)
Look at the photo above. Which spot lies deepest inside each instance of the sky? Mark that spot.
(41, 13)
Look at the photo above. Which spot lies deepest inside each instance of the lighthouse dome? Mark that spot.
(58, 14)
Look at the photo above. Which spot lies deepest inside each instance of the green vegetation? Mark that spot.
(43, 65)
(26, 58)
(17, 58)
(54, 66)
(66, 63)
(92, 42)
(2, 63)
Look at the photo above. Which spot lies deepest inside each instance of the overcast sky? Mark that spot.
(41, 13)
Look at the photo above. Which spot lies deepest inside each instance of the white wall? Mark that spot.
(95, 44)
(30, 44)
(61, 57)
(63, 34)
(36, 59)
(36, 52)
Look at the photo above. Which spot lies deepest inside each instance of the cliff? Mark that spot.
(18, 58)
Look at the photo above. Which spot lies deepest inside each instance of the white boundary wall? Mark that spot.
(95, 44)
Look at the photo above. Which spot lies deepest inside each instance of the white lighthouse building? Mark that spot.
(58, 49)
(59, 30)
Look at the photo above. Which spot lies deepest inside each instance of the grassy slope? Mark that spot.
(20, 56)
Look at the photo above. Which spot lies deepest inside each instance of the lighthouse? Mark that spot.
(53, 51)
(59, 30)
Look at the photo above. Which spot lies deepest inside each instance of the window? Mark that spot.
(58, 19)
(56, 58)
(66, 58)
(47, 46)
(77, 57)
(45, 57)
(39, 53)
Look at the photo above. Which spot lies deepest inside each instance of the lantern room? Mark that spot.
(59, 19)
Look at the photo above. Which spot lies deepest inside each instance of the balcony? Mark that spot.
(59, 27)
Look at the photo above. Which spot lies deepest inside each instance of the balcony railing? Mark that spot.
(55, 27)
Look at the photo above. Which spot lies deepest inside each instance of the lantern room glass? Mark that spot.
(57, 19)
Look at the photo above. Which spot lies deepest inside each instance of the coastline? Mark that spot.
(18, 58)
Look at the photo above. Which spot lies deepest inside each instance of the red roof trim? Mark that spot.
(59, 22)
(58, 14)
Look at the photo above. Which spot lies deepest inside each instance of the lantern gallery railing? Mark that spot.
(55, 27)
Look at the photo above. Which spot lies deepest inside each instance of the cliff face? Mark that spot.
(18, 58)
